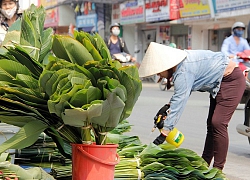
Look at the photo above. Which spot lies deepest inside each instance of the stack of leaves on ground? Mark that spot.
(10, 171)
(43, 150)
(163, 162)
(137, 161)
(6, 173)
(44, 153)
(166, 161)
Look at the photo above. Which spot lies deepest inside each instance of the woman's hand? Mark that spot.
(133, 59)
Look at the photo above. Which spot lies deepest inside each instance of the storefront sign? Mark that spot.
(86, 22)
(156, 10)
(132, 12)
(229, 5)
(115, 13)
(174, 9)
(189, 8)
(52, 16)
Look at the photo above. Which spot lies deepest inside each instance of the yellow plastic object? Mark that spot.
(175, 137)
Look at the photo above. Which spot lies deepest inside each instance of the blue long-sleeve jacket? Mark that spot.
(201, 70)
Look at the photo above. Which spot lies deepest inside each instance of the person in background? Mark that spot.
(197, 70)
(236, 43)
(117, 45)
(173, 45)
(9, 14)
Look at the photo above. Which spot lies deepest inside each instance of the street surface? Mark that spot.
(193, 125)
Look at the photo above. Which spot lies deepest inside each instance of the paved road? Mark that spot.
(193, 126)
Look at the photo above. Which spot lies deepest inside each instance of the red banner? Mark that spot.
(174, 9)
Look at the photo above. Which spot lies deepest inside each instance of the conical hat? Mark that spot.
(159, 58)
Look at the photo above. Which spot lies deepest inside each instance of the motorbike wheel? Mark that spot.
(163, 85)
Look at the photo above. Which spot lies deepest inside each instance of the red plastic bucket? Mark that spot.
(94, 162)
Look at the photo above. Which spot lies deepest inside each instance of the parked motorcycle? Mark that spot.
(244, 129)
(163, 84)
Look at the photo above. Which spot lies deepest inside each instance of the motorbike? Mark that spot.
(244, 128)
(125, 59)
(163, 84)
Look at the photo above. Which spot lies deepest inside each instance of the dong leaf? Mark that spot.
(67, 48)
(27, 135)
(46, 44)
(111, 112)
(78, 117)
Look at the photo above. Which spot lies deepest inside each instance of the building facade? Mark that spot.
(196, 24)
(190, 24)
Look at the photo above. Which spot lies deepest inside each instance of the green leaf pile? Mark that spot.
(146, 162)
(67, 87)
(175, 164)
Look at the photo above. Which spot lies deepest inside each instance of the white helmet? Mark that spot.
(12, 0)
(238, 24)
(114, 25)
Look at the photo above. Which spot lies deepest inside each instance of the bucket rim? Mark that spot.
(94, 144)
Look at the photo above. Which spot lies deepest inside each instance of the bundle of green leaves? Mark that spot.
(67, 87)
